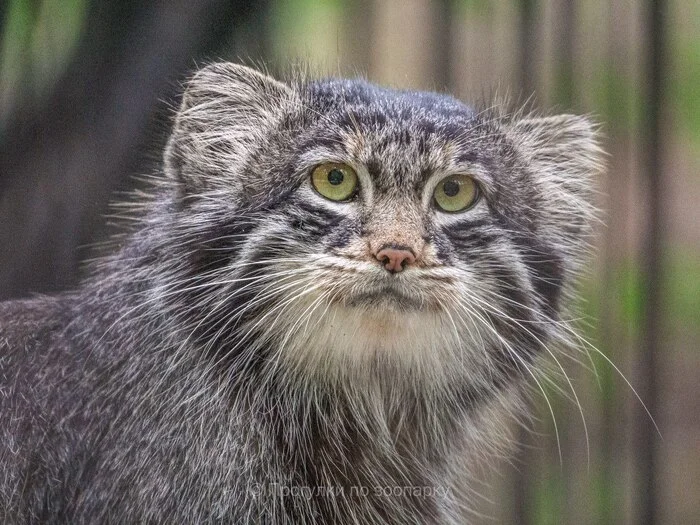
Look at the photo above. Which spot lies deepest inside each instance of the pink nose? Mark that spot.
(395, 258)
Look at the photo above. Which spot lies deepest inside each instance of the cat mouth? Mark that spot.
(386, 297)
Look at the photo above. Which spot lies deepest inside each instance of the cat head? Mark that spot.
(348, 224)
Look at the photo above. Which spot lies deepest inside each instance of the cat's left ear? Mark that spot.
(564, 155)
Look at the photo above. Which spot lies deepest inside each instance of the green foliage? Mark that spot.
(684, 88)
(682, 291)
(617, 98)
(631, 294)
(308, 30)
(607, 495)
(58, 27)
(683, 56)
(681, 295)
(548, 496)
(474, 7)
(680, 311)
(589, 306)
(38, 40)
(563, 86)
(16, 37)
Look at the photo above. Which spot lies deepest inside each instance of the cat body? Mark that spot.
(257, 352)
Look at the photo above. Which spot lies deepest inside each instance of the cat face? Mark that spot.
(385, 226)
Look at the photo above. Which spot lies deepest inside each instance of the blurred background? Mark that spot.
(87, 89)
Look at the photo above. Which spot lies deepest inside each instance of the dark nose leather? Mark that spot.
(395, 258)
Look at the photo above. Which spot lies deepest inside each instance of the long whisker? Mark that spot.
(527, 368)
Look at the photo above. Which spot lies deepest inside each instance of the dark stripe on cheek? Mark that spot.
(458, 240)
(510, 310)
(544, 265)
(215, 249)
(315, 221)
(212, 325)
(547, 275)
(443, 247)
(465, 225)
(342, 234)
(465, 242)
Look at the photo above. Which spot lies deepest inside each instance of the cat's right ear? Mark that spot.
(564, 154)
(226, 108)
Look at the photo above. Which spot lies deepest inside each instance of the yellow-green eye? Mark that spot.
(337, 182)
(456, 193)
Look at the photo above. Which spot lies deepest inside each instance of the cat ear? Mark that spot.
(563, 152)
(570, 142)
(226, 108)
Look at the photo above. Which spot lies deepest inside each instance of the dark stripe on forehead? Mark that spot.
(374, 168)
(360, 119)
(468, 157)
(453, 131)
(327, 138)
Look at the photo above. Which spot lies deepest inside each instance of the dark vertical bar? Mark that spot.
(565, 21)
(520, 481)
(609, 340)
(4, 8)
(522, 477)
(442, 73)
(253, 39)
(652, 264)
(565, 60)
(527, 42)
(359, 23)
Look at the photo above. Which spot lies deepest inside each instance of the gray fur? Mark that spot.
(233, 361)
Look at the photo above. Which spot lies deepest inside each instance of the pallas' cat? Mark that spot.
(331, 306)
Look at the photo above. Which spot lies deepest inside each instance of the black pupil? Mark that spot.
(451, 188)
(335, 176)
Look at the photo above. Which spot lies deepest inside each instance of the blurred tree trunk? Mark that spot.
(359, 32)
(522, 478)
(418, 62)
(566, 29)
(528, 43)
(60, 163)
(565, 95)
(443, 51)
(651, 261)
(611, 447)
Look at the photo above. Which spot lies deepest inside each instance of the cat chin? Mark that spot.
(386, 301)
(384, 339)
